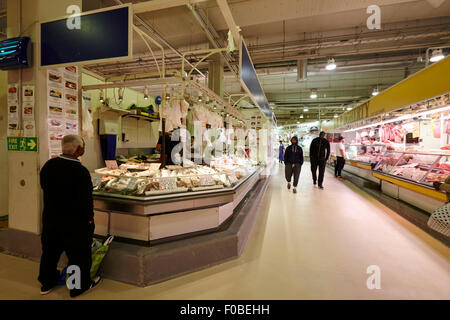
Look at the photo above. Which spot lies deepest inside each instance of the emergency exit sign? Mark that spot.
(22, 144)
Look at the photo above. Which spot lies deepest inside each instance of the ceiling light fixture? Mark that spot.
(301, 116)
(437, 55)
(305, 109)
(335, 116)
(146, 93)
(375, 91)
(313, 95)
(349, 108)
(331, 65)
(102, 97)
(199, 97)
(120, 94)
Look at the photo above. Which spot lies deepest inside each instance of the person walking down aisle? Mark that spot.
(293, 160)
(340, 158)
(68, 216)
(281, 152)
(319, 152)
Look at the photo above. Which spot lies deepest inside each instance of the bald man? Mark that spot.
(68, 216)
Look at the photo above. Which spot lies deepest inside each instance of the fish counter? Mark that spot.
(143, 203)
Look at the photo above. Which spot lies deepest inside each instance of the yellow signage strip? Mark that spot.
(413, 187)
(360, 165)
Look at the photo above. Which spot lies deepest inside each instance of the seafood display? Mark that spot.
(146, 179)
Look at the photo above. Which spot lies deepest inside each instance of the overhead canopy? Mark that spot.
(428, 83)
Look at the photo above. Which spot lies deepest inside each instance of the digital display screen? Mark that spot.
(101, 35)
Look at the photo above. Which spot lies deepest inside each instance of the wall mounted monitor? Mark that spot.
(103, 35)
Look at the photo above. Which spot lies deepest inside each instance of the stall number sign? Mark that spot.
(22, 144)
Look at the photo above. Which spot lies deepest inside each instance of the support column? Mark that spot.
(25, 197)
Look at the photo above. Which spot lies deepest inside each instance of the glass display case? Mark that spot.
(417, 166)
(365, 153)
(142, 180)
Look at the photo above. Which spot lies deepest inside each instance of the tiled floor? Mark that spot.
(316, 244)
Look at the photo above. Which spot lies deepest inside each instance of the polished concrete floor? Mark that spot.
(316, 244)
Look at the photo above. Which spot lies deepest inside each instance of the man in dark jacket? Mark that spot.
(68, 216)
(293, 160)
(319, 151)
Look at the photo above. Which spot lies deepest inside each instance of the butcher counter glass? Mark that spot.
(365, 153)
(423, 167)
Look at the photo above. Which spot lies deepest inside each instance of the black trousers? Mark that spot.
(340, 162)
(290, 170)
(77, 246)
(320, 163)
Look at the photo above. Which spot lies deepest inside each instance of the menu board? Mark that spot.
(62, 106)
(13, 110)
(28, 110)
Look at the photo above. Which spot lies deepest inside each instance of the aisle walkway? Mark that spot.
(316, 244)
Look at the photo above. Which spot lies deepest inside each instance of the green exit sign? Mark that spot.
(23, 144)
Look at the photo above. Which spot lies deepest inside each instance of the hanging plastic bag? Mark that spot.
(88, 127)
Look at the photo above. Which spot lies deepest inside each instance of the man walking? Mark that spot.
(68, 216)
(319, 152)
(293, 160)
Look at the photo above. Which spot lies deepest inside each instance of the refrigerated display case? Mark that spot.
(364, 153)
(409, 176)
(421, 167)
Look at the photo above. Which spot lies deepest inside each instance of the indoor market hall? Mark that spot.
(316, 244)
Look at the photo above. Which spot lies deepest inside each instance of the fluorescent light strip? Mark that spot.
(401, 118)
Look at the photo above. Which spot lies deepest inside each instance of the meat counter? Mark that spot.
(409, 176)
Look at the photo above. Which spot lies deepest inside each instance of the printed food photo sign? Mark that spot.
(62, 102)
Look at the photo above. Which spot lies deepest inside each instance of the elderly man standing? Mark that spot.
(68, 216)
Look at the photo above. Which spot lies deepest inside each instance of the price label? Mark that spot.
(132, 184)
(111, 164)
(168, 184)
(96, 180)
(206, 181)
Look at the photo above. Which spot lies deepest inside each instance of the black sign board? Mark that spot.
(250, 82)
(98, 35)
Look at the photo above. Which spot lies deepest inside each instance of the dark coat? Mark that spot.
(319, 149)
(293, 155)
(68, 203)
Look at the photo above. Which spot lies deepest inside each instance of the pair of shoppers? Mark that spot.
(293, 159)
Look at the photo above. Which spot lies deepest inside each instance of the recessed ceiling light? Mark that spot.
(331, 65)
(437, 55)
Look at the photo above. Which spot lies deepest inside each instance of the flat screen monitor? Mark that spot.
(102, 35)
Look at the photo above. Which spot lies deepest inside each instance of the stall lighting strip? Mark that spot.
(401, 118)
